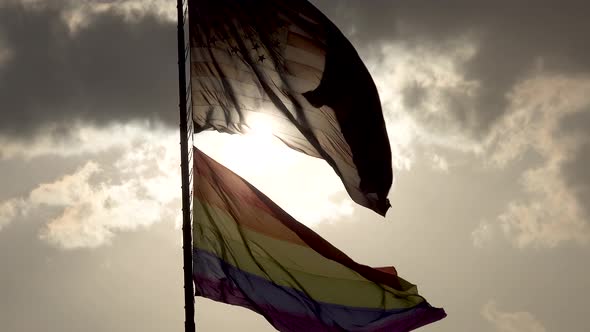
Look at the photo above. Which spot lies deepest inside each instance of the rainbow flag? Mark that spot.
(248, 252)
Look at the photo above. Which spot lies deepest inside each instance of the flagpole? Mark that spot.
(186, 132)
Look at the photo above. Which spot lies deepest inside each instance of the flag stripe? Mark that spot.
(321, 288)
(254, 219)
(306, 79)
(294, 54)
(217, 55)
(292, 310)
(214, 267)
(304, 57)
(210, 93)
(298, 40)
(295, 69)
(304, 71)
(247, 90)
(260, 255)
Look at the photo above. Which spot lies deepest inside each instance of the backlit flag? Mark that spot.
(283, 63)
(248, 252)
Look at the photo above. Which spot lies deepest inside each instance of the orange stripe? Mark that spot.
(253, 214)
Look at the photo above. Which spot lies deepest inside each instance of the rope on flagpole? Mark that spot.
(186, 135)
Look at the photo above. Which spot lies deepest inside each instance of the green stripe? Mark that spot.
(291, 265)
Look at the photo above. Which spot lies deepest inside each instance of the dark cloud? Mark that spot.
(111, 70)
(576, 124)
(575, 170)
(576, 174)
(115, 70)
(413, 95)
(512, 36)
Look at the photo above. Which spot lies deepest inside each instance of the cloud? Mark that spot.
(509, 39)
(77, 140)
(485, 233)
(439, 163)
(5, 53)
(137, 188)
(548, 117)
(111, 70)
(397, 68)
(551, 215)
(494, 80)
(10, 209)
(78, 14)
(575, 169)
(92, 213)
(520, 321)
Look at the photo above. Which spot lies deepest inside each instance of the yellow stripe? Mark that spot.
(292, 265)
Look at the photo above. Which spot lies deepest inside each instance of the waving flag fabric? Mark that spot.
(248, 252)
(284, 63)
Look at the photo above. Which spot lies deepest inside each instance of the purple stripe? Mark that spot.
(289, 309)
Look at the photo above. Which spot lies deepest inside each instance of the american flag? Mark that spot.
(284, 61)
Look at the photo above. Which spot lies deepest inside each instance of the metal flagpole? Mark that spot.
(186, 153)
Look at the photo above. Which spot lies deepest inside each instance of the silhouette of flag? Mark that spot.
(248, 252)
(285, 62)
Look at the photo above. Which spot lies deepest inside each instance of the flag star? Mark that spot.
(256, 47)
(261, 58)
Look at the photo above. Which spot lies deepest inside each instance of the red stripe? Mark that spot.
(297, 40)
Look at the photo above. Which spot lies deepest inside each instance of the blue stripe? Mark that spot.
(234, 286)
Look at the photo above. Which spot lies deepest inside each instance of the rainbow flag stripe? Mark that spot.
(247, 251)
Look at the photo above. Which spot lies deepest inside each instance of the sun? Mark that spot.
(304, 186)
(260, 128)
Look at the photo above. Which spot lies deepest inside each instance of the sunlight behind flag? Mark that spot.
(259, 157)
(248, 252)
(286, 60)
(260, 126)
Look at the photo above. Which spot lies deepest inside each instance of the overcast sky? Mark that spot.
(487, 105)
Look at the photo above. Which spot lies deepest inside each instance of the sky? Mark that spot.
(487, 107)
